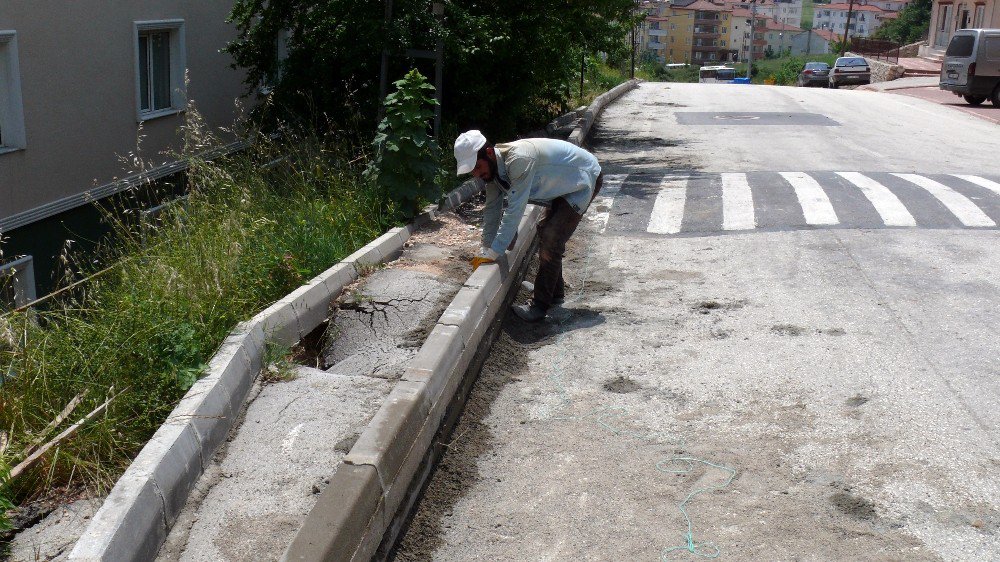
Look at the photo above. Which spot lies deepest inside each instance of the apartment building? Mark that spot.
(742, 37)
(783, 38)
(865, 19)
(669, 35)
(788, 12)
(948, 16)
(80, 84)
(710, 36)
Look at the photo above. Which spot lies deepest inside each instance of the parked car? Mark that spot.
(971, 66)
(850, 70)
(814, 73)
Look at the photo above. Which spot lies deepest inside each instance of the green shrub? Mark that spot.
(406, 156)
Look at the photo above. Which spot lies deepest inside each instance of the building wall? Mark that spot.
(947, 17)
(78, 78)
(863, 22)
(670, 34)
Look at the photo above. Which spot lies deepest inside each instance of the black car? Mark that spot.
(814, 74)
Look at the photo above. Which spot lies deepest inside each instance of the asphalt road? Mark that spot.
(781, 343)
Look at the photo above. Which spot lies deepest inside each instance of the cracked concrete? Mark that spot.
(255, 495)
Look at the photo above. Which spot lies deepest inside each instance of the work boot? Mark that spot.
(529, 313)
(530, 287)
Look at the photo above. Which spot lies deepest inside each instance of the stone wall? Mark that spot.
(911, 50)
(881, 71)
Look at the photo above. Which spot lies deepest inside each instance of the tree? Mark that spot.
(910, 26)
(508, 66)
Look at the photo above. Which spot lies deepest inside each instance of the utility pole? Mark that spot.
(632, 72)
(753, 22)
(847, 28)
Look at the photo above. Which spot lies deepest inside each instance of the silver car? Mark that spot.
(850, 70)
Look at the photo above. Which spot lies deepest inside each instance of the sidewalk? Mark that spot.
(987, 111)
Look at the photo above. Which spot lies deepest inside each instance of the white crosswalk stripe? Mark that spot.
(688, 204)
(737, 203)
(815, 204)
(600, 208)
(965, 210)
(889, 207)
(668, 208)
(982, 182)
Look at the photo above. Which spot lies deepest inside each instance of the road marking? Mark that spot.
(960, 206)
(600, 208)
(737, 203)
(668, 209)
(815, 204)
(889, 207)
(983, 182)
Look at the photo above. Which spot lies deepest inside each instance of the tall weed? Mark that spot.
(254, 226)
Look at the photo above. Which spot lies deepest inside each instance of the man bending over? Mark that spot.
(548, 172)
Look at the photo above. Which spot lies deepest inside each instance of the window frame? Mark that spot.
(12, 132)
(178, 67)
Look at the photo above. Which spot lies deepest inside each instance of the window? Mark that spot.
(11, 110)
(979, 15)
(160, 68)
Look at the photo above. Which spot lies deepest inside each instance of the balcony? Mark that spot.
(707, 21)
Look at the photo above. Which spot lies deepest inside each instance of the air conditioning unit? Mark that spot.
(17, 282)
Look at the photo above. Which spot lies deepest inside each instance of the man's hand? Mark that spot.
(485, 255)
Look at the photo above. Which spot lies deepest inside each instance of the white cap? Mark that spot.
(466, 146)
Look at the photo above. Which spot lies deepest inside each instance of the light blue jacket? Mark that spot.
(537, 171)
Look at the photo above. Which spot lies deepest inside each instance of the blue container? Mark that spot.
(741, 80)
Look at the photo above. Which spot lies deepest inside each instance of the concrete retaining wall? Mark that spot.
(136, 516)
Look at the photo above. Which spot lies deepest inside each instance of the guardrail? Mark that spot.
(876, 49)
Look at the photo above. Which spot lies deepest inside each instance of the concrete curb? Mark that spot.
(372, 483)
(579, 135)
(136, 516)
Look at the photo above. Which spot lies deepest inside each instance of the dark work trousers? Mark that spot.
(554, 230)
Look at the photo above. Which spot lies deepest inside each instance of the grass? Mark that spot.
(247, 235)
(600, 77)
(808, 9)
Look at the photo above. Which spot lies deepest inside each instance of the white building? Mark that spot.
(865, 19)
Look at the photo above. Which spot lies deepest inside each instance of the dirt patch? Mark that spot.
(708, 307)
(856, 507)
(621, 385)
(788, 330)
(857, 400)
(832, 331)
(458, 470)
(345, 444)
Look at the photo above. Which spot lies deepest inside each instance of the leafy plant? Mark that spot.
(5, 502)
(405, 162)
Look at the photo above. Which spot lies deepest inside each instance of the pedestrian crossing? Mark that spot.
(680, 204)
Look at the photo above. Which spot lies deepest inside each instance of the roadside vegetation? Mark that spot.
(253, 227)
(782, 71)
(808, 9)
(86, 378)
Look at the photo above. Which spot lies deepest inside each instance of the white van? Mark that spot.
(971, 67)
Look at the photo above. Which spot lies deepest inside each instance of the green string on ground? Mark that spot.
(606, 418)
